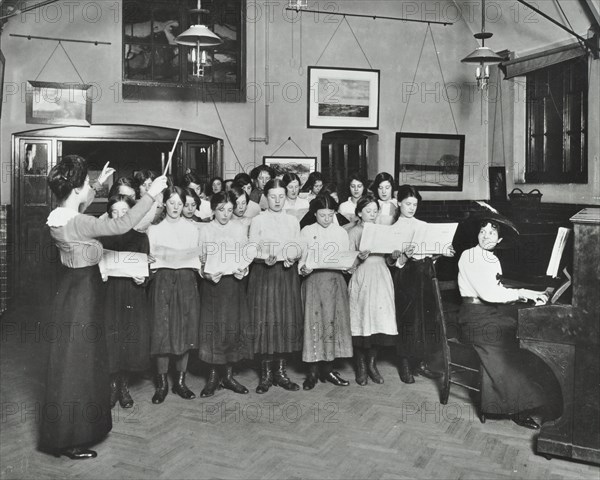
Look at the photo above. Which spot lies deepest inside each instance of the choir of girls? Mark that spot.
(273, 306)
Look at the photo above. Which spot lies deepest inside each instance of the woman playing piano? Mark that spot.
(515, 382)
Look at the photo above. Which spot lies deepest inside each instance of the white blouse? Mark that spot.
(315, 237)
(478, 272)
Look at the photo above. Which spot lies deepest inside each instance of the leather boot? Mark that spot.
(361, 366)
(125, 399)
(181, 389)
(231, 383)
(328, 375)
(162, 388)
(372, 366)
(280, 377)
(405, 374)
(114, 390)
(266, 377)
(312, 377)
(212, 384)
(424, 370)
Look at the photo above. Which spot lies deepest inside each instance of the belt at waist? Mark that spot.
(472, 300)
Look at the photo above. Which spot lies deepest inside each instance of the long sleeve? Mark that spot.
(478, 272)
(88, 226)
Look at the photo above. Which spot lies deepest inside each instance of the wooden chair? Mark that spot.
(461, 364)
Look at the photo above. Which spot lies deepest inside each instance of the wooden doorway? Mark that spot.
(35, 261)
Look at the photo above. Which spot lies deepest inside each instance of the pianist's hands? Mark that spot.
(539, 298)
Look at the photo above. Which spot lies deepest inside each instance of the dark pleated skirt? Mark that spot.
(127, 326)
(275, 304)
(327, 333)
(174, 311)
(76, 409)
(514, 380)
(419, 334)
(224, 322)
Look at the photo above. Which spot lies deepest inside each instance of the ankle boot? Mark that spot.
(280, 377)
(181, 389)
(328, 375)
(231, 383)
(114, 390)
(361, 366)
(125, 399)
(162, 388)
(312, 377)
(405, 374)
(266, 377)
(212, 384)
(372, 366)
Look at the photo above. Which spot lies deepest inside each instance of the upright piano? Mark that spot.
(567, 338)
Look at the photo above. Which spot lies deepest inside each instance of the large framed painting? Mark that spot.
(430, 161)
(301, 166)
(58, 103)
(343, 98)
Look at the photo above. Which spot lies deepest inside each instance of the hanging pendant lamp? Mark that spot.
(200, 37)
(483, 56)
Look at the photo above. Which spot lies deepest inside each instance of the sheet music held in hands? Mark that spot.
(220, 259)
(427, 238)
(282, 250)
(330, 257)
(176, 259)
(123, 264)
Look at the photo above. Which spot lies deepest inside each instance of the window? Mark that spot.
(152, 58)
(556, 123)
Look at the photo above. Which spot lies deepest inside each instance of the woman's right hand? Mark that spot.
(158, 185)
(304, 270)
(364, 254)
(272, 260)
(396, 254)
(213, 277)
(409, 251)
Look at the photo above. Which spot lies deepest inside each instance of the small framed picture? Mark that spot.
(58, 103)
(497, 179)
(343, 98)
(301, 166)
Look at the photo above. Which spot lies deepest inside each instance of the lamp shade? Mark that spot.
(198, 35)
(482, 55)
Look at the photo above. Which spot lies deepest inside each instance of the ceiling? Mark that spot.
(514, 26)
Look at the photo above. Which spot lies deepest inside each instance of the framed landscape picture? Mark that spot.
(343, 98)
(58, 103)
(301, 166)
(430, 161)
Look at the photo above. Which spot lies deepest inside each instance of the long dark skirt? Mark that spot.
(76, 410)
(375, 341)
(514, 380)
(224, 322)
(174, 311)
(419, 335)
(275, 308)
(327, 333)
(128, 328)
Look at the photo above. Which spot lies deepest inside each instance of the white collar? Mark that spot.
(60, 216)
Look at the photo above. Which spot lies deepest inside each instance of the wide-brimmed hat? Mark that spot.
(466, 235)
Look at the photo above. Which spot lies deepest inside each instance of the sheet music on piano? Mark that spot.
(557, 251)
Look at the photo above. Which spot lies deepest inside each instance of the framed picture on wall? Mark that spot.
(430, 161)
(58, 103)
(497, 179)
(2, 63)
(343, 98)
(301, 166)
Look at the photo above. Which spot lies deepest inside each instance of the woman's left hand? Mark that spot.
(240, 273)
(364, 254)
(450, 252)
(138, 280)
(106, 173)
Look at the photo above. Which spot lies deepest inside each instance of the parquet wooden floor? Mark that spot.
(390, 431)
